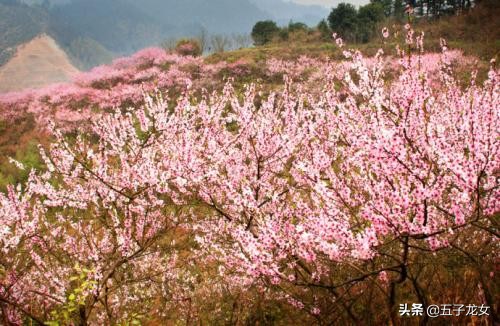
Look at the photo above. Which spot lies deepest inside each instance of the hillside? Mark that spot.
(93, 46)
(93, 31)
(216, 16)
(117, 25)
(310, 180)
(19, 23)
(37, 63)
(299, 183)
(477, 32)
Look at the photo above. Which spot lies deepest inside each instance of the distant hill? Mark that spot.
(37, 63)
(92, 32)
(216, 16)
(118, 25)
(19, 23)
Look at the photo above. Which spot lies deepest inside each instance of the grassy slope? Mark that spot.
(477, 33)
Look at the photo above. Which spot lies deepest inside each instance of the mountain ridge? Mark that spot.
(120, 27)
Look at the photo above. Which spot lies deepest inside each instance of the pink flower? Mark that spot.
(383, 277)
(340, 42)
(385, 32)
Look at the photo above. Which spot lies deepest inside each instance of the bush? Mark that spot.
(188, 47)
(283, 34)
(293, 27)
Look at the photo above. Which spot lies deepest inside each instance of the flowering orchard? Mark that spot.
(334, 197)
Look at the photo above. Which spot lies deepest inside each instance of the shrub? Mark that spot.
(188, 47)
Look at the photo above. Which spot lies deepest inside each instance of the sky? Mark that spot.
(330, 3)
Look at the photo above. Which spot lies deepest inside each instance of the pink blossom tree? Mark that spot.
(317, 199)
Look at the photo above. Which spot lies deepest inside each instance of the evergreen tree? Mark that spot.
(344, 20)
(264, 31)
(325, 31)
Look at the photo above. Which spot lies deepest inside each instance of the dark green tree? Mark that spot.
(387, 6)
(264, 31)
(372, 12)
(283, 34)
(368, 18)
(343, 20)
(324, 30)
(399, 9)
(296, 26)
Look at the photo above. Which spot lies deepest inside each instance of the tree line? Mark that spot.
(360, 24)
